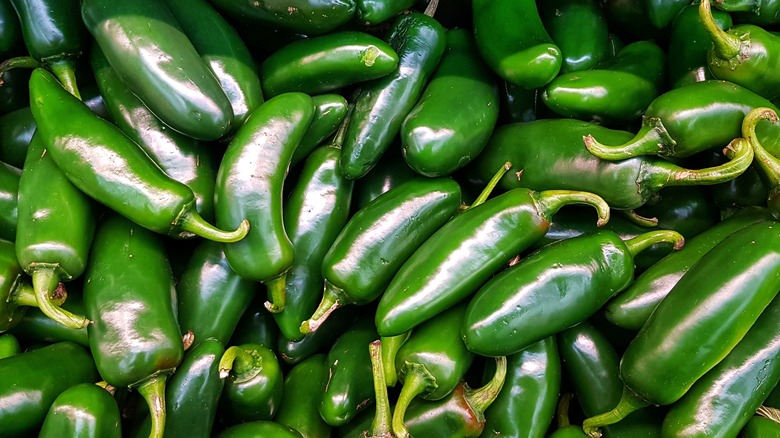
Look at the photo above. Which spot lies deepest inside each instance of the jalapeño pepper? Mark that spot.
(304, 385)
(329, 113)
(689, 43)
(9, 201)
(83, 411)
(308, 17)
(579, 28)
(265, 429)
(760, 12)
(253, 383)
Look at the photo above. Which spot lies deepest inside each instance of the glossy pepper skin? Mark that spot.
(556, 287)
(304, 385)
(47, 372)
(9, 201)
(327, 63)
(761, 427)
(152, 54)
(522, 55)
(293, 352)
(224, 53)
(129, 293)
(314, 215)
(633, 306)
(9, 346)
(548, 154)
(372, 12)
(382, 105)
(253, 383)
(390, 172)
(329, 112)
(16, 130)
(250, 183)
(85, 410)
(55, 230)
(701, 319)
(526, 404)
(254, 429)
(211, 297)
(723, 400)
(308, 17)
(760, 12)
(688, 210)
(134, 185)
(377, 240)
(745, 54)
(618, 89)
(437, 141)
(457, 259)
(589, 44)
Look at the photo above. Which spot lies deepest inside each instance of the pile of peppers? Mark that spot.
(389, 218)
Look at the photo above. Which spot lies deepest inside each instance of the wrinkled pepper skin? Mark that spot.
(85, 410)
(437, 141)
(382, 105)
(580, 30)
(308, 17)
(151, 53)
(48, 371)
(526, 404)
(454, 262)
(265, 429)
(304, 385)
(523, 55)
(9, 201)
(253, 384)
(250, 184)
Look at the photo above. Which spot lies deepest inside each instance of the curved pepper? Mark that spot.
(106, 165)
(580, 30)
(250, 184)
(308, 17)
(84, 410)
(688, 210)
(293, 352)
(253, 383)
(9, 201)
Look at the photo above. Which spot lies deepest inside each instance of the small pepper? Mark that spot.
(85, 410)
(253, 383)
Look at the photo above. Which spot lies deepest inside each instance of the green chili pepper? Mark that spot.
(525, 406)
(83, 411)
(746, 190)
(11, 38)
(458, 258)
(129, 293)
(373, 12)
(689, 43)
(663, 12)
(633, 306)
(746, 54)
(304, 386)
(390, 172)
(378, 239)
(9, 346)
(151, 53)
(760, 12)
(253, 383)
(618, 89)
(382, 105)
(437, 141)
(556, 287)
(308, 17)
(761, 427)
(314, 215)
(256, 326)
(32, 380)
(687, 210)
(686, 120)
(350, 388)
(518, 104)
(16, 131)
(701, 319)
(211, 297)
(103, 163)
(250, 185)
(580, 30)
(329, 112)
(512, 39)
(35, 326)
(9, 201)
(548, 154)
(722, 401)
(265, 429)
(430, 363)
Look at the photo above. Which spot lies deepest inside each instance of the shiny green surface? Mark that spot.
(265, 429)
(83, 411)
(304, 385)
(580, 30)
(309, 17)
(16, 131)
(329, 111)
(254, 386)
(9, 201)
(688, 46)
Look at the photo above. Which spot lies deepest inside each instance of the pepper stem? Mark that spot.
(153, 391)
(277, 291)
(481, 398)
(646, 240)
(24, 295)
(390, 347)
(638, 219)
(768, 163)
(769, 412)
(418, 380)
(18, 62)
(563, 410)
(652, 139)
(726, 46)
(549, 202)
(333, 297)
(381, 426)
(629, 402)
(236, 360)
(491, 185)
(430, 10)
(64, 70)
(45, 281)
(192, 222)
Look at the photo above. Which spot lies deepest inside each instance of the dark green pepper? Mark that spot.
(88, 149)
(250, 184)
(256, 326)
(308, 17)
(329, 112)
(9, 346)
(16, 131)
(580, 30)
(255, 429)
(390, 172)
(11, 38)
(253, 383)
(452, 264)
(373, 12)
(9, 201)
(518, 104)
(435, 139)
(35, 326)
(293, 352)
(129, 293)
(760, 12)
(85, 410)
(33, 380)
(768, 164)
(556, 287)
(688, 210)
(304, 385)
(151, 53)
(379, 238)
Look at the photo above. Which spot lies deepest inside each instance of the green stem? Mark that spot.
(662, 174)
(491, 185)
(646, 240)
(18, 62)
(65, 72)
(24, 295)
(417, 380)
(652, 139)
(629, 402)
(192, 222)
(725, 45)
(277, 291)
(110, 389)
(638, 219)
(236, 360)
(563, 410)
(153, 391)
(45, 281)
(390, 347)
(753, 118)
(481, 398)
(549, 202)
(381, 426)
(332, 299)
